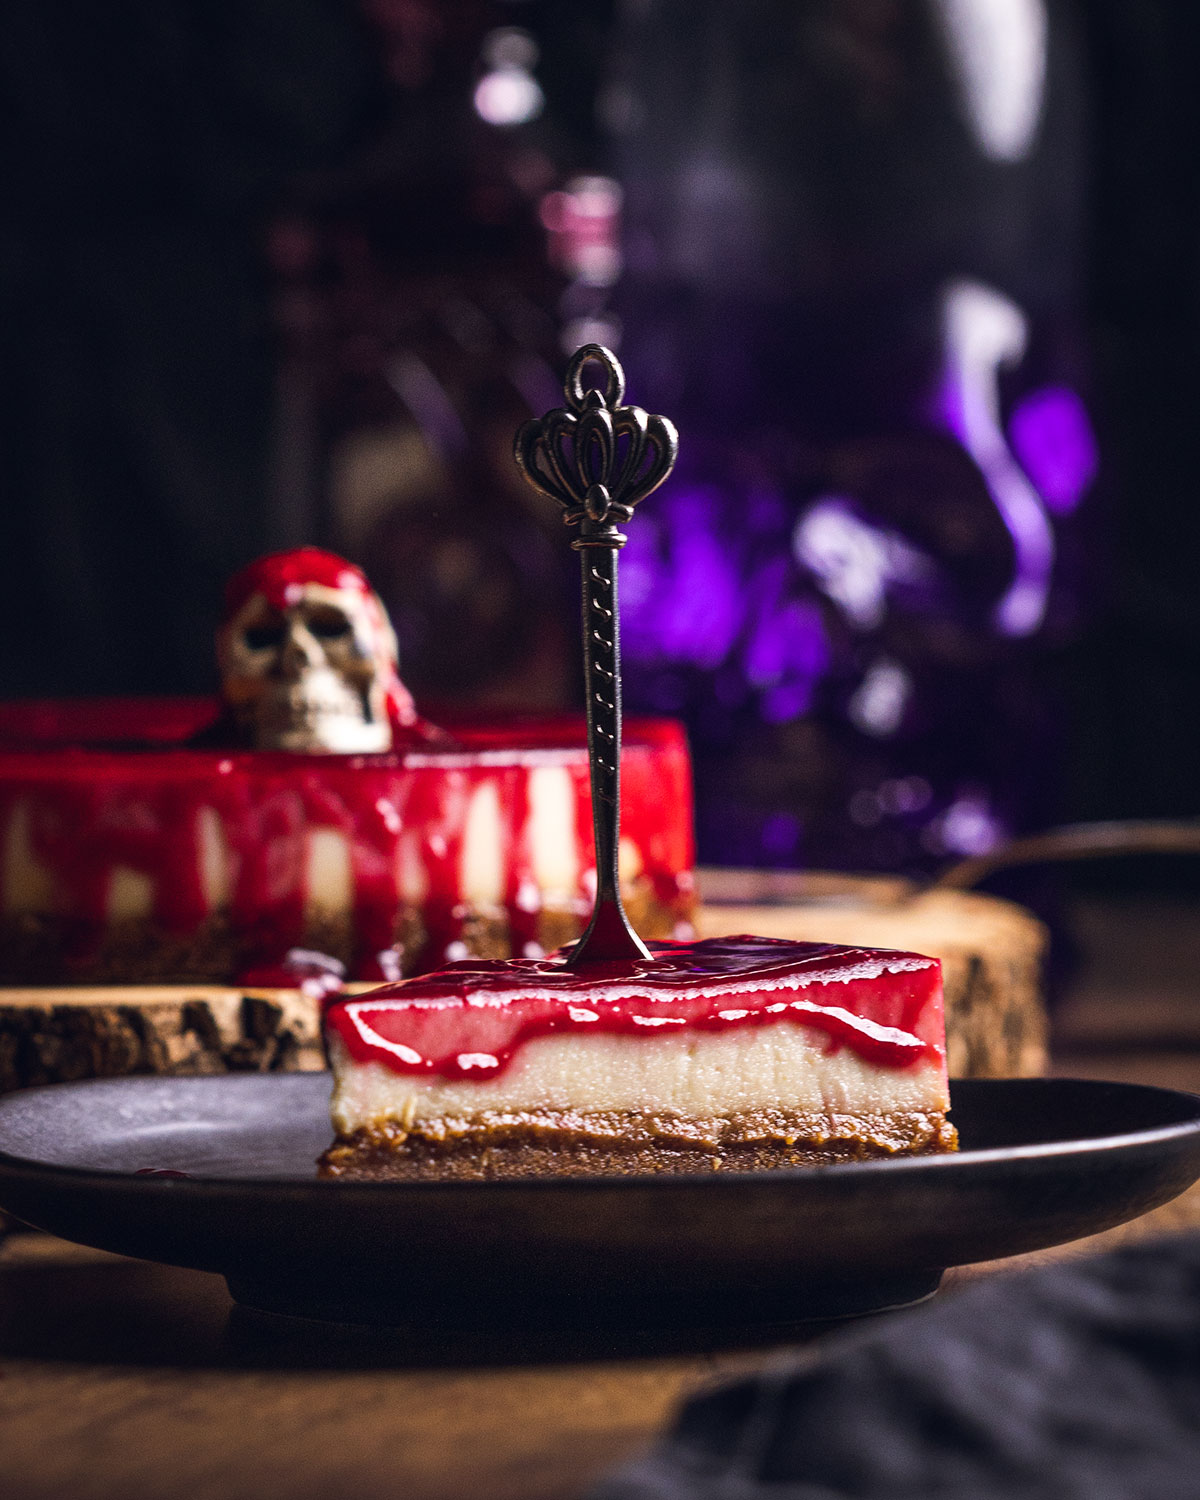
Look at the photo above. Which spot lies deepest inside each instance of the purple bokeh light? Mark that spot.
(681, 594)
(695, 596)
(984, 333)
(834, 636)
(1054, 441)
(1052, 458)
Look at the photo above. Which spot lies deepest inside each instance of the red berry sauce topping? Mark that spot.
(470, 1019)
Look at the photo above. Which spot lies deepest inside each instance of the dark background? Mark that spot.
(221, 222)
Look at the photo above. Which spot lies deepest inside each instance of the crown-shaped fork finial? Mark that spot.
(596, 457)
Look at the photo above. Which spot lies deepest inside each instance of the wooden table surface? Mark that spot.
(124, 1379)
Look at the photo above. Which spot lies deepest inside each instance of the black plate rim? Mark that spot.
(962, 1161)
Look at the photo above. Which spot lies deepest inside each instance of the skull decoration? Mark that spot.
(308, 657)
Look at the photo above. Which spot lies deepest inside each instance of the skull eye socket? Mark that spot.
(329, 624)
(263, 637)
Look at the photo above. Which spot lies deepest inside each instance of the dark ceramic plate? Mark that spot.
(1044, 1161)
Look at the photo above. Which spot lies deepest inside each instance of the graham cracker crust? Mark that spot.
(565, 1145)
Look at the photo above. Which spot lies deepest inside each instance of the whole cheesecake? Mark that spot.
(129, 852)
(733, 1053)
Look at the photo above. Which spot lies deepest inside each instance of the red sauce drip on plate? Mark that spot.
(470, 1019)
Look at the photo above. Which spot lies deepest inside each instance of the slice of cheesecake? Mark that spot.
(734, 1053)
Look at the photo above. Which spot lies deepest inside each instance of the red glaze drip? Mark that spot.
(316, 975)
(470, 1020)
(84, 812)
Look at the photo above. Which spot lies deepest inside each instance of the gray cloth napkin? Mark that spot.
(1079, 1382)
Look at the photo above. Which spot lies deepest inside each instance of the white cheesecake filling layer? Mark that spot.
(696, 1075)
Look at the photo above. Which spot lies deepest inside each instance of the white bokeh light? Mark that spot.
(508, 96)
(998, 50)
(852, 560)
(878, 705)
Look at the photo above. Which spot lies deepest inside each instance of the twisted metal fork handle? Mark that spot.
(609, 935)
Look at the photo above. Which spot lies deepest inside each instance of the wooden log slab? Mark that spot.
(991, 950)
(991, 953)
(57, 1035)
